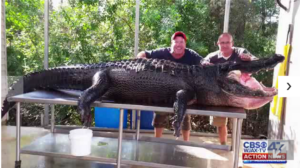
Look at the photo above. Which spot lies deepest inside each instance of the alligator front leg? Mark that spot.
(99, 87)
(180, 104)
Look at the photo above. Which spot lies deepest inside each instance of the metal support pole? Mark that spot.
(46, 33)
(42, 119)
(46, 115)
(237, 145)
(133, 118)
(233, 134)
(18, 133)
(120, 138)
(52, 118)
(136, 35)
(138, 126)
(46, 50)
(136, 46)
(226, 16)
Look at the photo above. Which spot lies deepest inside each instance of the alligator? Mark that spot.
(156, 82)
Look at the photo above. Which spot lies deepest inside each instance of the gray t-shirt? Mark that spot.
(217, 57)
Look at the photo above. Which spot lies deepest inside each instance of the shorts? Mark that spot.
(160, 121)
(220, 121)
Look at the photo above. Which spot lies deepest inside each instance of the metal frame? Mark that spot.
(138, 125)
(226, 16)
(237, 144)
(52, 118)
(120, 138)
(47, 97)
(18, 133)
(234, 133)
(46, 53)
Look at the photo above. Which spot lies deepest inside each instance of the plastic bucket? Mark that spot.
(81, 141)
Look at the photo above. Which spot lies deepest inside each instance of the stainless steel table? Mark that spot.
(70, 98)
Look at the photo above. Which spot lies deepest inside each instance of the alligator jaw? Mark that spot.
(233, 87)
(252, 66)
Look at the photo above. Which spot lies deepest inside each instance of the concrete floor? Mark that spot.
(29, 134)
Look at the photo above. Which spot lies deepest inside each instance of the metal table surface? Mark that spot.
(66, 97)
(138, 153)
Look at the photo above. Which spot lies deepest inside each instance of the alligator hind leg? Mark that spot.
(99, 87)
(180, 104)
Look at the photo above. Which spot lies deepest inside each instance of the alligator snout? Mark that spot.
(278, 57)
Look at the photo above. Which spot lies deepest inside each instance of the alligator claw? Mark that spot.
(176, 133)
(86, 117)
(87, 120)
(176, 126)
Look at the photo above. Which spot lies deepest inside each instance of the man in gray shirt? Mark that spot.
(227, 52)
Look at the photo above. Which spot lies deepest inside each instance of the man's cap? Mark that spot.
(179, 33)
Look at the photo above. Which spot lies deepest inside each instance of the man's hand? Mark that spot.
(206, 63)
(245, 57)
(141, 54)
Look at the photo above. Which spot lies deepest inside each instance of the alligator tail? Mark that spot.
(17, 88)
(77, 77)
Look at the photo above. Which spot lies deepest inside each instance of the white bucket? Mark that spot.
(81, 140)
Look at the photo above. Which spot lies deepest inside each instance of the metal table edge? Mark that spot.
(241, 115)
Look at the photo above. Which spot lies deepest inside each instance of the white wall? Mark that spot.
(3, 55)
(291, 127)
(291, 119)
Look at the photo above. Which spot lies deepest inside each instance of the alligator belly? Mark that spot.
(139, 97)
(145, 86)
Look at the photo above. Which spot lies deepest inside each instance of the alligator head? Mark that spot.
(234, 87)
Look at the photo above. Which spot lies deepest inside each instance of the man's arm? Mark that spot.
(141, 54)
(197, 58)
(206, 60)
(245, 55)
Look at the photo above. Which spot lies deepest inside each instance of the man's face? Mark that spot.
(225, 44)
(178, 45)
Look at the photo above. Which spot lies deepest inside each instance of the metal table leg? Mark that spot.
(46, 115)
(233, 134)
(120, 138)
(52, 118)
(133, 117)
(18, 132)
(238, 140)
(138, 126)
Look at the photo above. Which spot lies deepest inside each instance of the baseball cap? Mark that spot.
(179, 33)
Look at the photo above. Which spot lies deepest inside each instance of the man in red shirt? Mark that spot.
(177, 53)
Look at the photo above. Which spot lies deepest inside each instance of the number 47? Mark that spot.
(273, 147)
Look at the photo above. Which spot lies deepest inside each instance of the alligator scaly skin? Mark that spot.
(145, 81)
